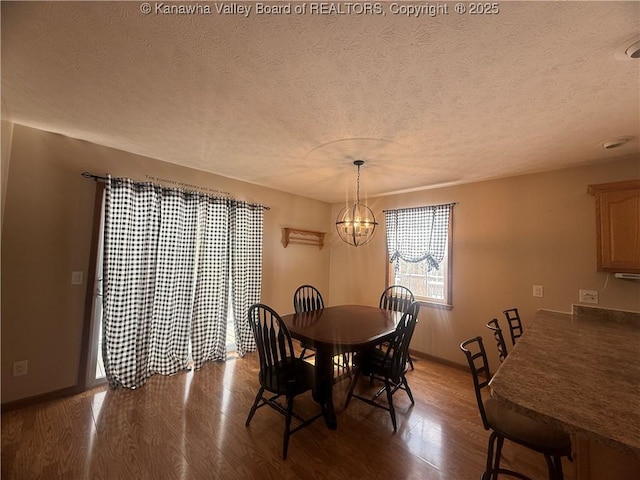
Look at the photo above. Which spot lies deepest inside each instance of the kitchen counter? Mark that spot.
(581, 373)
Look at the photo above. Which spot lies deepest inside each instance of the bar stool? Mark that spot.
(515, 324)
(505, 423)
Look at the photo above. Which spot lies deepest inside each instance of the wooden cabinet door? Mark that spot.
(618, 217)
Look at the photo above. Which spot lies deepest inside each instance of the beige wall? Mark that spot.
(46, 236)
(509, 234)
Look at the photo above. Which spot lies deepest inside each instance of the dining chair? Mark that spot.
(307, 298)
(505, 423)
(515, 324)
(494, 326)
(388, 365)
(281, 373)
(397, 298)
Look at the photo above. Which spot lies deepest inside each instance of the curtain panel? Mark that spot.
(209, 321)
(246, 227)
(418, 234)
(170, 259)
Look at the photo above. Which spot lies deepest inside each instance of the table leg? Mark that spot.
(323, 391)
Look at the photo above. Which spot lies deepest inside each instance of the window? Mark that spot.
(419, 251)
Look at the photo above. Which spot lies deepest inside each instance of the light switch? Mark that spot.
(76, 278)
(538, 291)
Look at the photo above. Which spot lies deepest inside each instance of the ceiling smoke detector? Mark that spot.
(629, 49)
(616, 142)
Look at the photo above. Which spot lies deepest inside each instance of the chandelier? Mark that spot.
(355, 223)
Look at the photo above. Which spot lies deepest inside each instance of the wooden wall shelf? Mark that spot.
(303, 237)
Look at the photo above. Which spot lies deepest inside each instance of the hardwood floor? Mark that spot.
(192, 426)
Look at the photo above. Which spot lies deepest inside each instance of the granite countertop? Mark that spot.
(579, 372)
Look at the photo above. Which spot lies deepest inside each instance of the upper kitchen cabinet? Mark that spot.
(618, 225)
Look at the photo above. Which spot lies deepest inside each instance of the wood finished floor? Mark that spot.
(192, 426)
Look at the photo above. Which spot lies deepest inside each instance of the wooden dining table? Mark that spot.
(335, 330)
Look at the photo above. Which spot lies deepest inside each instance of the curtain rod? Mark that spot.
(412, 208)
(95, 177)
(98, 178)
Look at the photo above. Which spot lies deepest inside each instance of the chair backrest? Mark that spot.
(479, 366)
(515, 325)
(494, 326)
(396, 298)
(397, 354)
(274, 344)
(306, 299)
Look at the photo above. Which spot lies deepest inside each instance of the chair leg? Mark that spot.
(347, 362)
(287, 428)
(354, 380)
(554, 464)
(558, 462)
(407, 389)
(496, 463)
(254, 407)
(342, 366)
(550, 467)
(304, 350)
(411, 362)
(392, 410)
(488, 472)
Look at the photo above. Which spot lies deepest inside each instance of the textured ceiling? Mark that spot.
(289, 101)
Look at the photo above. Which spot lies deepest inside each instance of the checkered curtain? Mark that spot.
(418, 234)
(209, 326)
(246, 269)
(166, 271)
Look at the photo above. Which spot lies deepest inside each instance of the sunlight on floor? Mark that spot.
(425, 441)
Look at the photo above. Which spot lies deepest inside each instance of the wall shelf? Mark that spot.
(303, 237)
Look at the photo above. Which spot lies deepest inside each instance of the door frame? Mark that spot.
(86, 377)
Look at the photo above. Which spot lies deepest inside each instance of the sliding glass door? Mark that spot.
(95, 366)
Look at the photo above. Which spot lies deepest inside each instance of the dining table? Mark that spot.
(336, 330)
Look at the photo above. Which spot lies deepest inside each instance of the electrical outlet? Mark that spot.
(538, 291)
(589, 296)
(20, 368)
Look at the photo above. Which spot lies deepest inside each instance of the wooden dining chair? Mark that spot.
(307, 298)
(397, 298)
(515, 324)
(494, 326)
(505, 423)
(388, 365)
(282, 373)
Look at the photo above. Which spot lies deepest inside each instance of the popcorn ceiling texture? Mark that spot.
(289, 101)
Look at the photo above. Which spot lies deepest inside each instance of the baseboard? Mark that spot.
(42, 398)
(442, 361)
(66, 392)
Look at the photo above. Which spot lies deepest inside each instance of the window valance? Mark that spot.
(419, 233)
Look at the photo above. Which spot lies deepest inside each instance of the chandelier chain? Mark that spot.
(358, 187)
